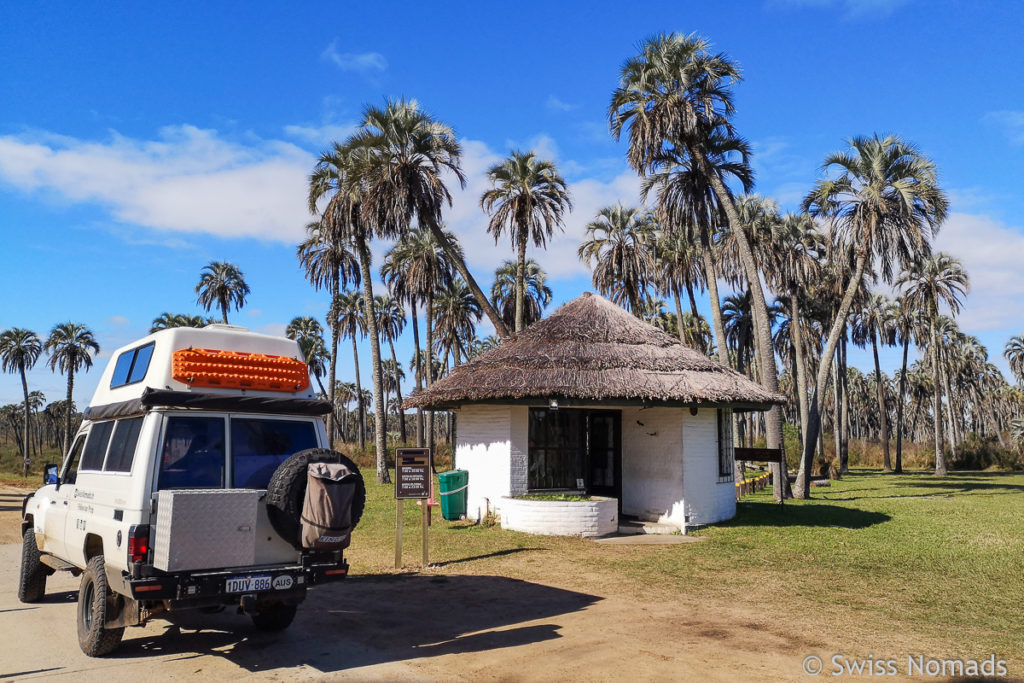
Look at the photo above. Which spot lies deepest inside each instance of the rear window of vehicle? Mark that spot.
(259, 446)
(131, 366)
(122, 446)
(192, 454)
(96, 446)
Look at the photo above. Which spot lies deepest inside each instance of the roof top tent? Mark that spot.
(214, 367)
(594, 401)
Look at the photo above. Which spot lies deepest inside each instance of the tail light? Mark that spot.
(138, 543)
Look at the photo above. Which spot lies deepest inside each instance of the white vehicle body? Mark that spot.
(153, 437)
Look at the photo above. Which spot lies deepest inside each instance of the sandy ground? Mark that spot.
(409, 627)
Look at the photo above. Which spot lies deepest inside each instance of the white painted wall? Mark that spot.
(483, 448)
(652, 464)
(588, 518)
(709, 498)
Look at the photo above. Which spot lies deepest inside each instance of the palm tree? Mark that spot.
(929, 283)
(338, 177)
(504, 292)
(675, 99)
(415, 269)
(884, 205)
(71, 347)
(166, 321)
(618, 249)
(221, 284)
(687, 204)
(792, 264)
(1014, 354)
(390, 323)
(678, 267)
(349, 314)
(326, 258)
(456, 313)
(906, 325)
(875, 322)
(409, 152)
(308, 332)
(527, 199)
(19, 351)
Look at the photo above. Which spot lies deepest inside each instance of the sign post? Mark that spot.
(412, 481)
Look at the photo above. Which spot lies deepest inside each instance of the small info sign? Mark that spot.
(412, 469)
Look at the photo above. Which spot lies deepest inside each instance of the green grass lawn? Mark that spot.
(907, 559)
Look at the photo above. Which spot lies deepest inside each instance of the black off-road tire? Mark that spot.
(275, 617)
(32, 578)
(287, 491)
(93, 638)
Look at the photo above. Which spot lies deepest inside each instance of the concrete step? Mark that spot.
(636, 526)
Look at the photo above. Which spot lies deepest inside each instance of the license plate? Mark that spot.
(248, 584)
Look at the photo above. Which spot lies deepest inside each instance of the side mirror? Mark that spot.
(50, 474)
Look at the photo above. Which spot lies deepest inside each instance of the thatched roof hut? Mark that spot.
(592, 350)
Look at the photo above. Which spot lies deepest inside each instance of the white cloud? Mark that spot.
(118, 321)
(559, 259)
(1012, 123)
(991, 252)
(555, 104)
(363, 62)
(187, 180)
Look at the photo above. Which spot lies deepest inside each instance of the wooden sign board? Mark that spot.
(412, 473)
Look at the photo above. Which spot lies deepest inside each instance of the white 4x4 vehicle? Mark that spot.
(185, 486)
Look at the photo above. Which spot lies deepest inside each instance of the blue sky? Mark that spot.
(139, 143)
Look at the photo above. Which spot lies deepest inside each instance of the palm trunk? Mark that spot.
(460, 265)
(940, 459)
(796, 337)
(883, 415)
(763, 332)
(26, 444)
(679, 313)
(521, 282)
(900, 406)
(953, 436)
(67, 408)
(837, 416)
(693, 301)
(224, 311)
(716, 306)
(398, 391)
(359, 390)
(418, 373)
(335, 328)
(844, 441)
(379, 397)
(824, 370)
(429, 368)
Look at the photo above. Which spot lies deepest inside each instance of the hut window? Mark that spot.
(557, 445)
(725, 450)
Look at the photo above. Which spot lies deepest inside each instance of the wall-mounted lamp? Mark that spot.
(553, 404)
(693, 410)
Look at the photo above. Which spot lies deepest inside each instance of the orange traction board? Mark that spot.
(239, 370)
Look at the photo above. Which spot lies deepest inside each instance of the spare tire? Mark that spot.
(287, 490)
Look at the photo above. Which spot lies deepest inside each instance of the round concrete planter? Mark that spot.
(594, 517)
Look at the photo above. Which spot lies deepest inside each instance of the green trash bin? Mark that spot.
(453, 493)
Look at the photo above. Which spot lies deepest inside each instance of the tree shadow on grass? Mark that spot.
(497, 553)
(810, 515)
(368, 620)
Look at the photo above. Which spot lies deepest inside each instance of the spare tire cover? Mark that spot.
(287, 490)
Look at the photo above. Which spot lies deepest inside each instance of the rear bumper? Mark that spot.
(288, 583)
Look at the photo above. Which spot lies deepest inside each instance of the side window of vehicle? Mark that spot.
(71, 464)
(131, 366)
(96, 446)
(122, 445)
(259, 446)
(192, 453)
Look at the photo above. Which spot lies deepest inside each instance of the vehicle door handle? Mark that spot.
(53, 502)
(65, 502)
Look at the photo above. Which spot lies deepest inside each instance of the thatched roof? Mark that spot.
(592, 350)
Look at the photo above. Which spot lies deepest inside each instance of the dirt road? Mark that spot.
(431, 626)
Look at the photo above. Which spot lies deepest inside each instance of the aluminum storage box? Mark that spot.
(205, 529)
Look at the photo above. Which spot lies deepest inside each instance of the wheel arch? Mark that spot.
(93, 546)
